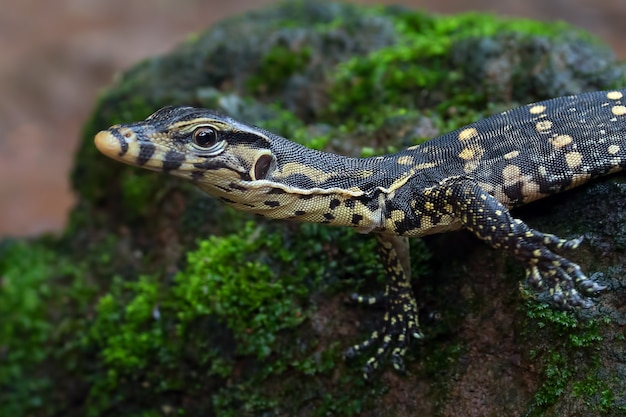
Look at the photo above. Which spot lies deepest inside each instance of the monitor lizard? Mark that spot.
(469, 178)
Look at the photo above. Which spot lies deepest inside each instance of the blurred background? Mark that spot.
(56, 56)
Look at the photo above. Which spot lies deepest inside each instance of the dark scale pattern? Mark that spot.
(271, 203)
(146, 151)
(173, 160)
(469, 178)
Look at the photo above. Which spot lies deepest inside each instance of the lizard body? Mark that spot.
(469, 178)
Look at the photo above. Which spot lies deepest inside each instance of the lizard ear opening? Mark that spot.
(262, 166)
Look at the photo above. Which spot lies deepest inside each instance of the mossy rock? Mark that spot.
(157, 300)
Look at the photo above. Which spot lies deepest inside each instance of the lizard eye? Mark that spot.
(204, 137)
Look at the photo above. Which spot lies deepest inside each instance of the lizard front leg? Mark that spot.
(400, 322)
(491, 221)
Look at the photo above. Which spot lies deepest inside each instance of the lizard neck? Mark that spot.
(305, 185)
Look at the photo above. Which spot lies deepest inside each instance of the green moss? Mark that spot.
(127, 342)
(577, 333)
(597, 394)
(277, 65)
(238, 297)
(138, 189)
(143, 328)
(423, 68)
(24, 328)
(563, 374)
(40, 291)
(231, 278)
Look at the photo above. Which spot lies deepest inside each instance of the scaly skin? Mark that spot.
(469, 178)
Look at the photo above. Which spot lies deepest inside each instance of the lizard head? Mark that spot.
(206, 147)
(246, 167)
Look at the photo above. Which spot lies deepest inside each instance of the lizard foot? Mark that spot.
(400, 324)
(564, 279)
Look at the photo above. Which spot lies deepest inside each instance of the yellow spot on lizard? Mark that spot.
(619, 110)
(573, 159)
(467, 154)
(537, 109)
(543, 126)
(561, 141)
(614, 95)
(468, 133)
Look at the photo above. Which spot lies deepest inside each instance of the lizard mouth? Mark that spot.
(124, 145)
(111, 144)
